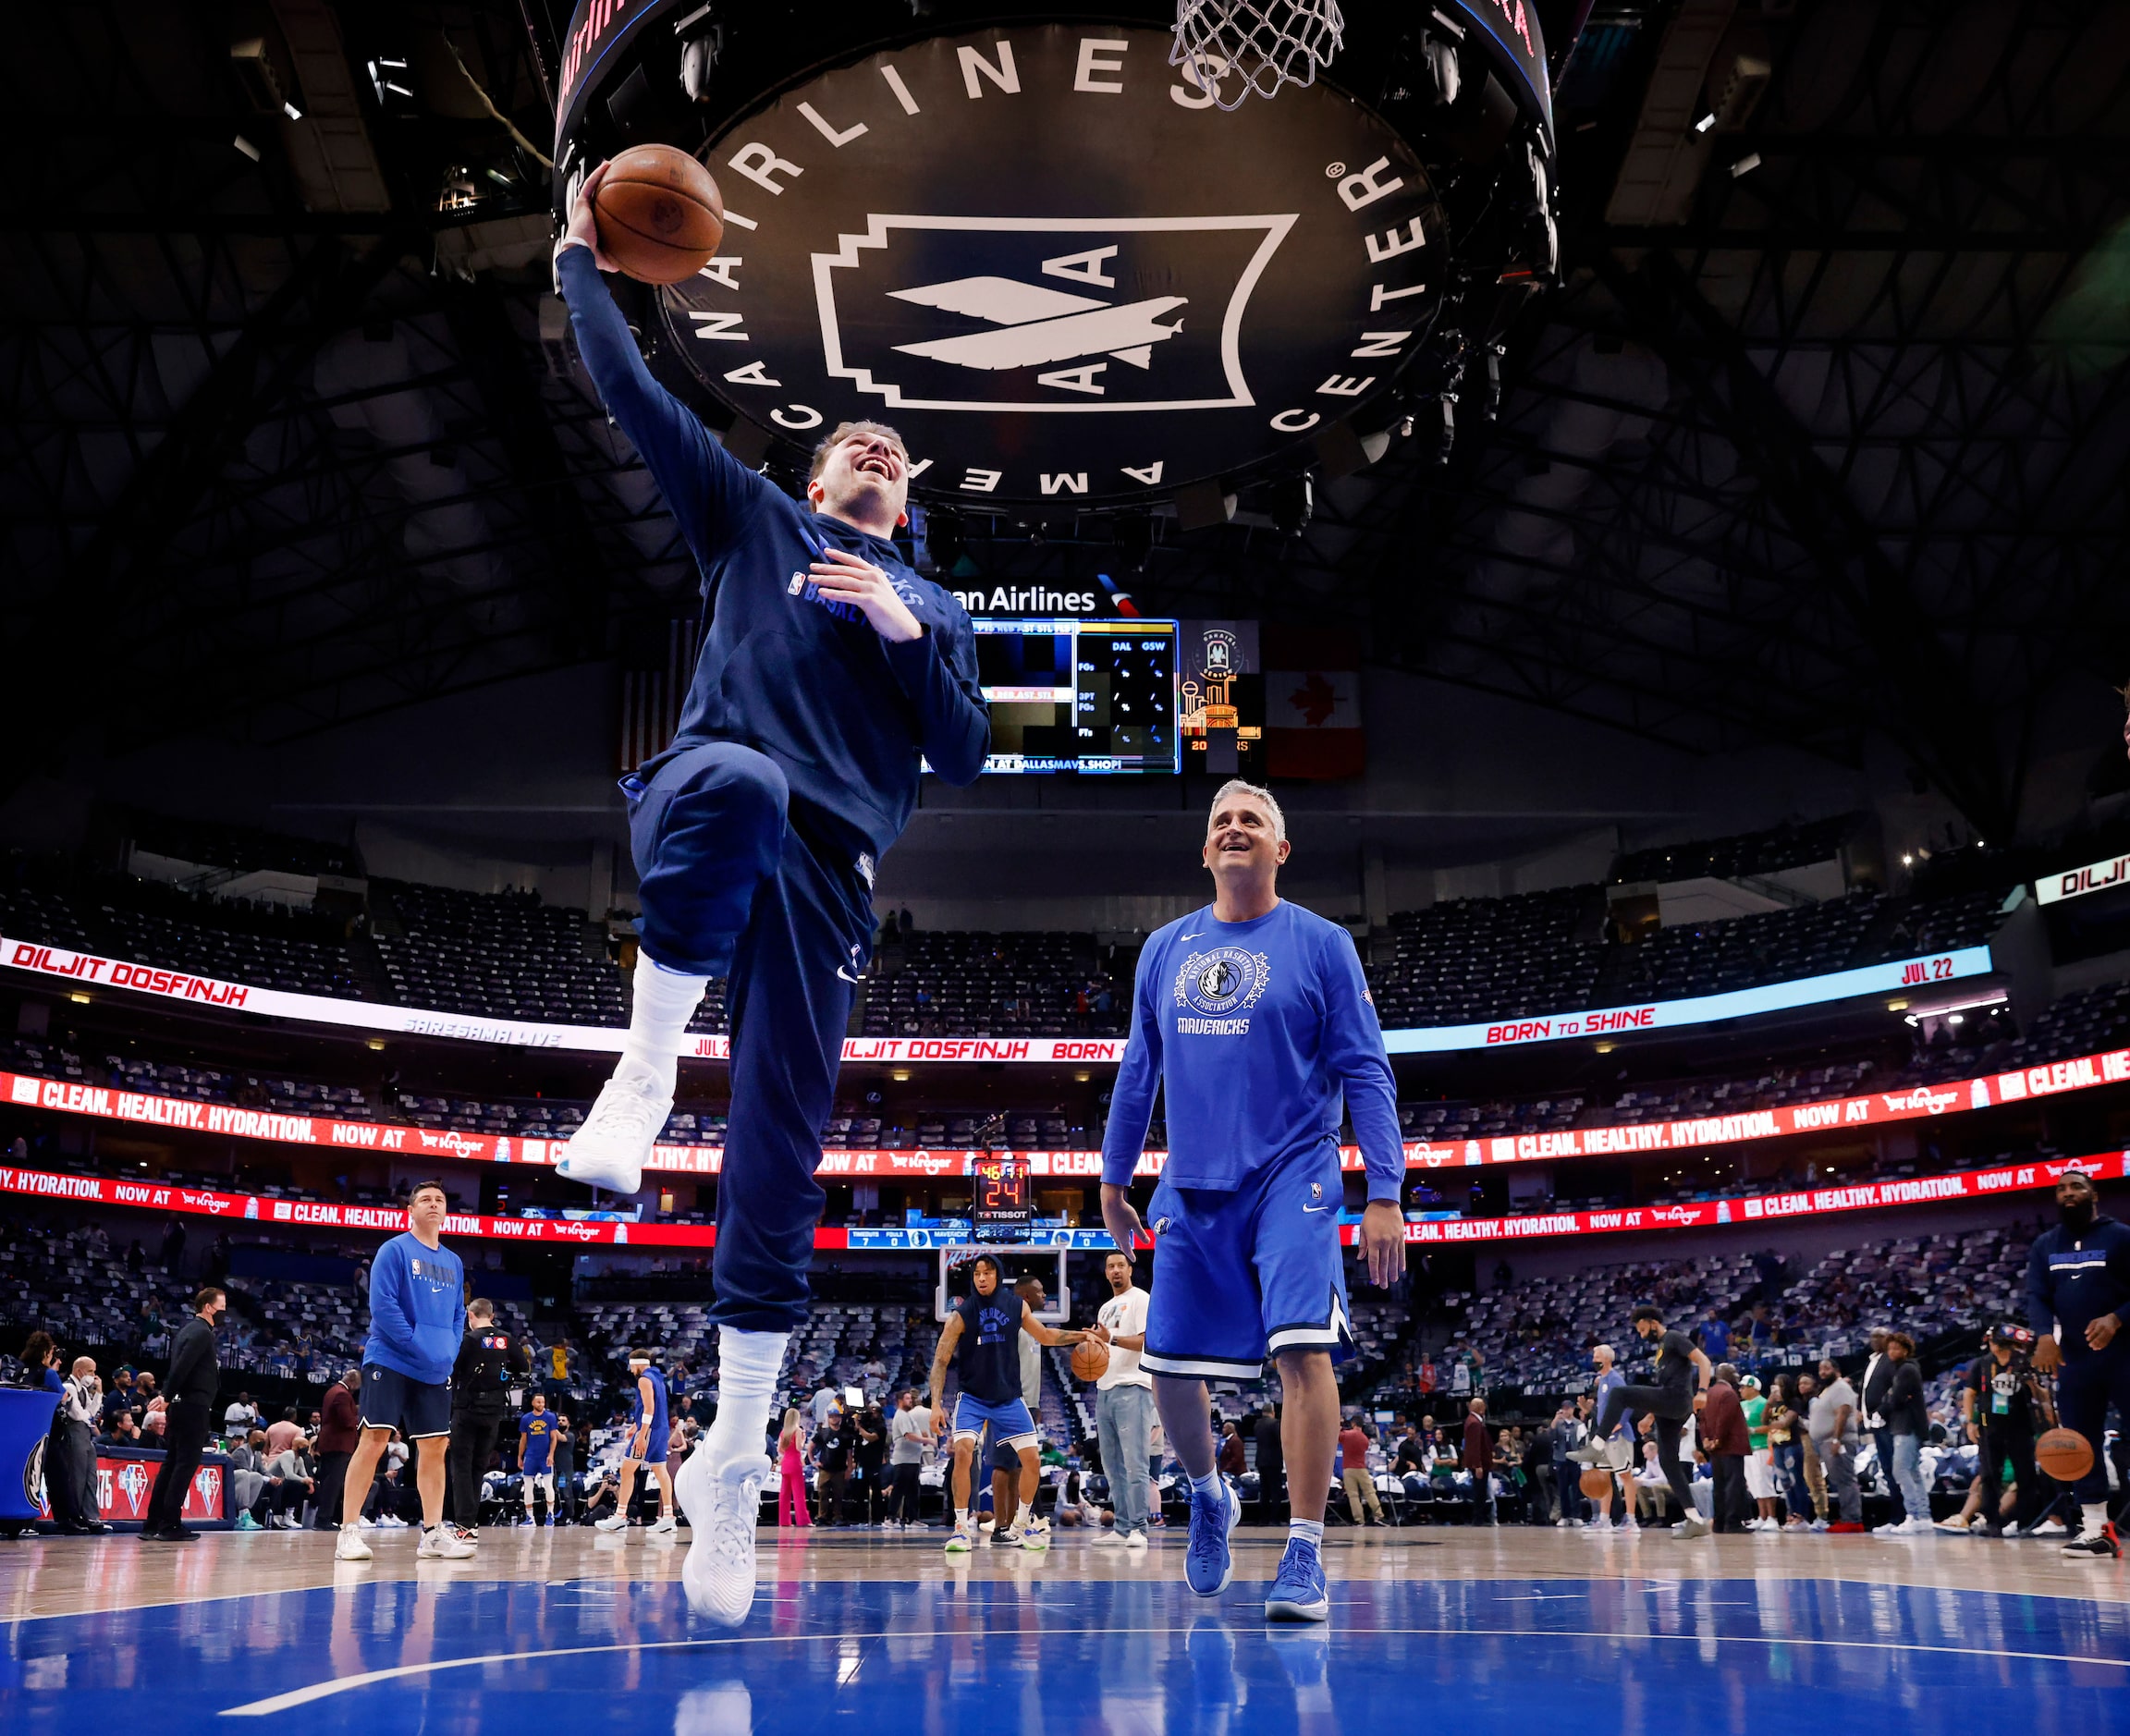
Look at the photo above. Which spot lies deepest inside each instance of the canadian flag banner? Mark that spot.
(1312, 703)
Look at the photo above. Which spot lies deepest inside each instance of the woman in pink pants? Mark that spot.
(791, 1473)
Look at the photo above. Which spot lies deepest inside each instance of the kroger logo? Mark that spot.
(1931, 1102)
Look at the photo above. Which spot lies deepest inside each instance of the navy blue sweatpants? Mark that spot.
(738, 880)
(2085, 1385)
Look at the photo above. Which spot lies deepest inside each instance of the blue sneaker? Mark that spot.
(1206, 1563)
(1298, 1593)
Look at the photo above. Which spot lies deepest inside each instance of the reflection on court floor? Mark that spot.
(1052, 1654)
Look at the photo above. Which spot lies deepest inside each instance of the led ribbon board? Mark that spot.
(87, 971)
(1695, 1215)
(1742, 1003)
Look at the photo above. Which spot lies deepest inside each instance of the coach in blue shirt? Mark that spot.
(1253, 1019)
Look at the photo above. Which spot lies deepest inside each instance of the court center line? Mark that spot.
(344, 1684)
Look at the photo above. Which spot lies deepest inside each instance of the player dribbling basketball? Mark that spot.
(1253, 1017)
(982, 1338)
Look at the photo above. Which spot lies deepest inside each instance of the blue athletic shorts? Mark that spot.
(1241, 1274)
(417, 1410)
(1010, 1423)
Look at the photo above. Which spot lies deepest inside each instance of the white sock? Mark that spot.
(747, 1365)
(1305, 1531)
(664, 1002)
(1208, 1486)
(2095, 1516)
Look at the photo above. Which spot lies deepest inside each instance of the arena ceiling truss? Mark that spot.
(1822, 434)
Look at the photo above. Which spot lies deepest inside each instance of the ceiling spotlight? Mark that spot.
(1706, 122)
(946, 538)
(1746, 164)
(1132, 535)
(246, 146)
(1908, 860)
(1293, 503)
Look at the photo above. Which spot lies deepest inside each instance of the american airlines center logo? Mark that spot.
(1047, 257)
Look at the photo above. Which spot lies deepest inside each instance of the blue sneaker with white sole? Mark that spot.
(1207, 1564)
(1298, 1591)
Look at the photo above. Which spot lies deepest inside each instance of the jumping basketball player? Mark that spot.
(828, 668)
(983, 1337)
(1255, 1019)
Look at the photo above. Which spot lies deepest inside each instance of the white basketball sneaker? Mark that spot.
(442, 1543)
(723, 1506)
(611, 1148)
(348, 1545)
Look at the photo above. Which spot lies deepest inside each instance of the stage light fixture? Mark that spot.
(1292, 503)
(1706, 122)
(1133, 533)
(946, 538)
(246, 146)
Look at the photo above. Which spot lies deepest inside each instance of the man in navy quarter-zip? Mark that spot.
(829, 670)
(2078, 1282)
(1253, 1018)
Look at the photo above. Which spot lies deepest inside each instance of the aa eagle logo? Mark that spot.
(1224, 980)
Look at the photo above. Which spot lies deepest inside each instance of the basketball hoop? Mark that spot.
(1264, 43)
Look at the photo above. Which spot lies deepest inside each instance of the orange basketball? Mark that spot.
(1090, 1360)
(1594, 1482)
(2063, 1454)
(659, 215)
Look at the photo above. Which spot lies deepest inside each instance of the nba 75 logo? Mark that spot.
(1056, 266)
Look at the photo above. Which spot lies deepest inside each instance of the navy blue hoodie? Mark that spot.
(844, 711)
(2071, 1279)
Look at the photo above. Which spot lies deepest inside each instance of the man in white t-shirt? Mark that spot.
(1124, 1403)
(908, 1434)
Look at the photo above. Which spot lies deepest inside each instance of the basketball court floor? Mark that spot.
(572, 1631)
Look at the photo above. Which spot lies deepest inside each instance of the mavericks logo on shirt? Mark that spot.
(1216, 985)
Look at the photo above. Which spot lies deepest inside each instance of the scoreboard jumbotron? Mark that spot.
(1074, 695)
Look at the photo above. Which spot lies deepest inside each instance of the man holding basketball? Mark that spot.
(828, 668)
(1253, 1017)
(2078, 1284)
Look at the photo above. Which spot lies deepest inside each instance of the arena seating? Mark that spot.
(1537, 1334)
(507, 955)
(973, 984)
(240, 848)
(1748, 854)
(502, 954)
(1490, 957)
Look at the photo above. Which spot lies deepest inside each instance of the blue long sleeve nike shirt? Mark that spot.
(844, 712)
(1256, 1033)
(417, 1309)
(2074, 1280)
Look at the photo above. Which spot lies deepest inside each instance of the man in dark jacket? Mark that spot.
(480, 1403)
(195, 1377)
(339, 1427)
(2077, 1284)
(1271, 1464)
(1726, 1440)
(1478, 1458)
(1872, 1393)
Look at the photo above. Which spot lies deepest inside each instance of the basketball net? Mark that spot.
(1254, 44)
